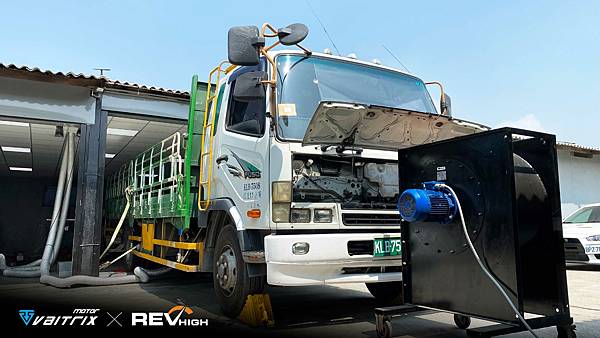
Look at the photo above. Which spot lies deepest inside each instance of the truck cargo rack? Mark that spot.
(158, 187)
(162, 183)
(156, 180)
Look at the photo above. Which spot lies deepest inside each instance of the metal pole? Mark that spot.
(90, 189)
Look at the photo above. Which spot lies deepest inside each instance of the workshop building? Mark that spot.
(578, 170)
(115, 121)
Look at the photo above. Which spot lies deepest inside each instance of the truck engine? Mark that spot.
(355, 182)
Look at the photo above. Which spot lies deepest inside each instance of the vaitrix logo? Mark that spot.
(26, 316)
(80, 317)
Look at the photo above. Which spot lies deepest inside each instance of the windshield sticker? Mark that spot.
(286, 109)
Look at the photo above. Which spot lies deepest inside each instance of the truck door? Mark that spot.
(245, 142)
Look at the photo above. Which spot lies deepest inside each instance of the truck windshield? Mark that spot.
(303, 82)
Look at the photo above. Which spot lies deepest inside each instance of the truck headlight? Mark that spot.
(323, 216)
(298, 215)
(280, 212)
(282, 191)
(282, 197)
(594, 238)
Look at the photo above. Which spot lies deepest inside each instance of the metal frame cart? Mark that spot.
(507, 183)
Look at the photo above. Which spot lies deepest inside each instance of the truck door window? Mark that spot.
(246, 118)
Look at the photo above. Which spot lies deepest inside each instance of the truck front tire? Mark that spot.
(389, 293)
(230, 275)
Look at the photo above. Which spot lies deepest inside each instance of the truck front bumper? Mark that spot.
(329, 260)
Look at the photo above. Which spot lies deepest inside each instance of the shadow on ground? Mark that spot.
(311, 311)
(583, 267)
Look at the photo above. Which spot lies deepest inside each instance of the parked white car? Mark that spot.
(581, 231)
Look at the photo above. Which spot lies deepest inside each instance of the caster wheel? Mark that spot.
(566, 331)
(462, 322)
(385, 331)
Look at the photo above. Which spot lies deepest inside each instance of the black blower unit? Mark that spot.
(506, 181)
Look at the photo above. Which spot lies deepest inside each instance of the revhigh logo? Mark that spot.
(80, 317)
(173, 317)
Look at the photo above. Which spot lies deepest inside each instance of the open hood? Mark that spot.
(373, 127)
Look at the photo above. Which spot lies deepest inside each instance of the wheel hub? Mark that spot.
(226, 270)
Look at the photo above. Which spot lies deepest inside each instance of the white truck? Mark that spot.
(294, 154)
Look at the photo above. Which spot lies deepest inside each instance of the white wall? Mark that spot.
(146, 105)
(46, 101)
(579, 180)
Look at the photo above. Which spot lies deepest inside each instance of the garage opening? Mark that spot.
(30, 163)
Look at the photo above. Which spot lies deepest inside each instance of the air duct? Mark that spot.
(32, 270)
(65, 201)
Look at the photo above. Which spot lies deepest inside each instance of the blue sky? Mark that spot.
(531, 64)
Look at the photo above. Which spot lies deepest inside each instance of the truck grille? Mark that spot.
(574, 250)
(371, 219)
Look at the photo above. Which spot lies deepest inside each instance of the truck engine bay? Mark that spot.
(355, 182)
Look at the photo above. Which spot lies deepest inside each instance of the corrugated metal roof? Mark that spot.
(47, 72)
(577, 147)
(80, 79)
(144, 88)
(37, 74)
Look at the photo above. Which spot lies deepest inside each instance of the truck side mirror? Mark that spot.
(249, 86)
(292, 34)
(446, 105)
(243, 43)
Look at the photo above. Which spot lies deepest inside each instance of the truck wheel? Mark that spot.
(230, 274)
(389, 293)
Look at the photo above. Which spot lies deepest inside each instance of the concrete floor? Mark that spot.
(316, 311)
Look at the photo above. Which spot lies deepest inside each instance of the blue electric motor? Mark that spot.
(430, 204)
